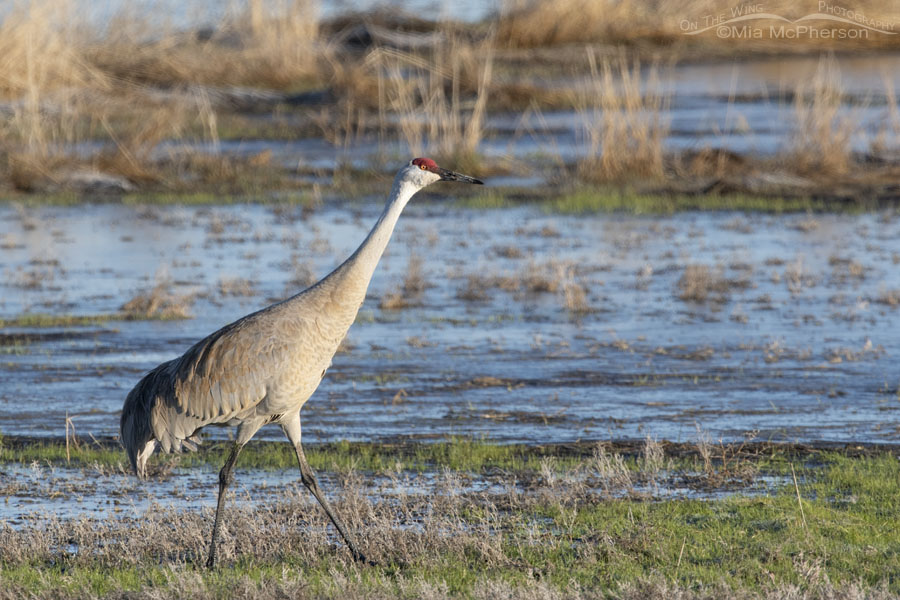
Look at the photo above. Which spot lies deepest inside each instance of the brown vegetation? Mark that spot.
(136, 98)
(158, 303)
(824, 130)
(411, 291)
(624, 122)
(699, 283)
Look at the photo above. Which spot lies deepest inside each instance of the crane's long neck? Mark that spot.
(348, 283)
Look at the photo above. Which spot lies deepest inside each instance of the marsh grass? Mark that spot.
(624, 126)
(604, 198)
(456, 453)
(825, 126)
(70, 82)
(342, 457)
(158, 303)
(699, 283)
(440, 99)
(558, 538)
(411, 290)
(146, 103)
(39, 320)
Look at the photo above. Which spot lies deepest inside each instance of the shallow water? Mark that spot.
(34, 491)
(747, 108)
(796, 343)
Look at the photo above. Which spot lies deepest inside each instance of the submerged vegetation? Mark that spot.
(565, 521)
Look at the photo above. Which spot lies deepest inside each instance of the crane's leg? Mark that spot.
(291, 428)
(225, 478)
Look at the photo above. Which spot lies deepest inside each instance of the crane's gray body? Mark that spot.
(264, 367)
(257, 370)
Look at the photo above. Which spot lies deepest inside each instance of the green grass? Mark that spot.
(460, 454)
(608, 200)
(845, 535)
(366, 184)
(38, 320)
(45, 320)
(210, 198)
(454, 453)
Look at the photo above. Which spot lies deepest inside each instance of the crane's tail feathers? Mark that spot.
(150, 419)
(139, 433)
(135, 430)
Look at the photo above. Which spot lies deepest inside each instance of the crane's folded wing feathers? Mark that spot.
(227, 372)
(221, 376)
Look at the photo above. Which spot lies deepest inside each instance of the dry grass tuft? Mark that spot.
(412, 290)
(699, 283)
(890, 297)
(541, 279)
(158, 303)
(575, 294)
(476, 289)
(612, 471)
(508, 251)
(440, 99)
(623, 122)
(236, 286)
(825, 129)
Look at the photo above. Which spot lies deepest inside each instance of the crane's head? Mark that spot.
(424, 171)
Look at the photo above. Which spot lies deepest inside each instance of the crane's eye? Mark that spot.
(422, 167)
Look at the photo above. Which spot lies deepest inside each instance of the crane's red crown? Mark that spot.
(426, 164)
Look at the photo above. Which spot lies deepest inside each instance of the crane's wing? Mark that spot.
(223, 375)
(228, 372)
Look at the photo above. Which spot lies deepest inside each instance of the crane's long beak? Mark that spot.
(451, 176)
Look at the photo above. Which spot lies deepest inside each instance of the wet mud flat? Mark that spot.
(515, 324)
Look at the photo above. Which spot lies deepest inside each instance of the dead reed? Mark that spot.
(825, 126)
(437, 100)
(623, 123)
(160, 302)
(68, 81)
(699, 283)
(412, 289)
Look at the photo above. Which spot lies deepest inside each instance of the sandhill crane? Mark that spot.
(263, 367)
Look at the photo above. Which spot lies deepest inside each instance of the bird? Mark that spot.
(262, 368)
